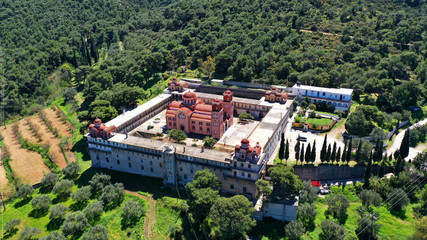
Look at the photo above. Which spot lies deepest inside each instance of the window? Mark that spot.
(194, 128)
(200, 123)
(191, 171)
(231, 186)
(242, 165)
(249, 175)
(118, 162)
(170, 124)
(161, 165)
(201, 129)
(208, 124)
(249, 165)
(235, 164)
(108, 160)
(185, 176)
(180, 169)
(129, 158)
(151, 162)
(193, 122)
(142, 161)
(117, 155)
(129, 165)
(235, 174)
(244, 189)
(97, 157)
(243, 174)
(151, 169)
(209, 130)
(142, 167)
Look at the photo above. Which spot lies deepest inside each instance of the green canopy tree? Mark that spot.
(230, 218)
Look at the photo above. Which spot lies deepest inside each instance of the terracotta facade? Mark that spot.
(274, 96)
(177, 86)
(192, 115)
(99, 130)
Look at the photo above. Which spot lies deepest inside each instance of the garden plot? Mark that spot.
(28, 165)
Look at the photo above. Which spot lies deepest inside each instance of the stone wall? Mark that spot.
(331, 172)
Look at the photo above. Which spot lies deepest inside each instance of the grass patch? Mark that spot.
(319, 121)
(168, 216)
(16, 208)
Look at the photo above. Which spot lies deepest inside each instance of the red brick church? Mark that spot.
(192, 115)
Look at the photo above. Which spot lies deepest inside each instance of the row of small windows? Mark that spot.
(243, 174)
(242, 165)
(244, 188)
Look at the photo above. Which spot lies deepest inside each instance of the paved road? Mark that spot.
(398, 141)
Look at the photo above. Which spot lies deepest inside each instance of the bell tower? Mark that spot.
(228, 106)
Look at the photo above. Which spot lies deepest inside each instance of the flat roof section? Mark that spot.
(345, 91)
(124, 117)
(235, 99)
(190, 151)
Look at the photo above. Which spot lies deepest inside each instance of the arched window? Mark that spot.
(249, 175)
(243, 174)
(231, 186)
(242, 165)
(118, 162)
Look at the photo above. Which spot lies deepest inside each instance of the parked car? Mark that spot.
(302, 139)
(324, 191)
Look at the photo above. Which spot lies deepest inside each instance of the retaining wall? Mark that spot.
(331, 172)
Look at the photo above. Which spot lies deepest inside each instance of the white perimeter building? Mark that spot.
(340, 98)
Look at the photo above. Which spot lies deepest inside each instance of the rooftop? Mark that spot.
(128, 115)
(345, 91)
(159, 145)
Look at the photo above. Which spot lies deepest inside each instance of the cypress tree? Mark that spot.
(400, 163)
(328, 153)
(337, 158)
(378, 154)
(287, 151)
(397, 127)
(308, 153)
(344, 153)
(358, 152)
(282, 148)
(404, 146)
(75, 64)
(83, 47)
(334, 152)
(313, 152)
(89, 59)
(348, 157)
(297, 149)
(368, 171)
(382, 168)
(323, 150)
(93, 51)
(301, 156)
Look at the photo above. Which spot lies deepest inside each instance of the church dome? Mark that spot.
(190, 95)
(244, 141)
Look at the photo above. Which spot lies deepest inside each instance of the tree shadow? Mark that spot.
(10, 233)
(343, 219)
(93, 221)
(38, 213)
(23, 202)
(54, 224)
(45, 190)
(77, 206)
(399, 213)
(310, 226)
(60, 199)
(128, 223)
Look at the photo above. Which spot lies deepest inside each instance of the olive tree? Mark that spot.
(75, 224)
(29, 233)
(93, 210)
(337, 205)
(71, 170)
(98, 232)
(25, 191)
(11, 225)
(63, 187)
(54, 236)
(112, 195)
(132, 211)
(49, 180)
(58, 212)
(294, 230)
(99, 181)
(41, 202)
(332, 231)
(398, 199)
(370, 197)
(82, 194)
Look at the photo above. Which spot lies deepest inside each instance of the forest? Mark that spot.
(376, 47)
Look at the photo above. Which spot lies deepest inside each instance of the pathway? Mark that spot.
(398, 141)
(150, 216)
